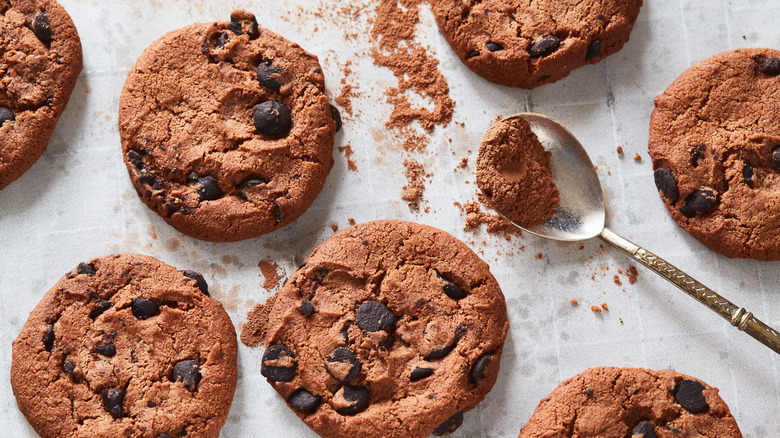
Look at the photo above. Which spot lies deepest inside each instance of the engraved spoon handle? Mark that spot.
(738, 316)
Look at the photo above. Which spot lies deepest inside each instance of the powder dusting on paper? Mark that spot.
(253, 332)
(270, 271)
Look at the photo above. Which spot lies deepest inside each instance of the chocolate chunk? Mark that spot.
(271, 118)
(387, 342)
(420, 373)
(776, 158)
(143, 308)
(748, 174)
(41, 28)
(84, 268)
(696, 154)
(690, 395)
(544, 46)
(48, 338)
(108, 350)
(373, 316)
(342, 364)
(151, 404)
(69, 367)
(307, 308)
(136, 160)
(222, 40)
(99, 308)
(336, 116)
(494, 47)
(439, 353)
(265, 75)
(666, 183)
(589, 392)
(242, 23)
(5, 115)
(355, 398)
(187, 371)
(278, 364)
(478, 370)
(199, 281)
(472, 54)
(450, 425)
(453, 291)
(700, 201)
(209, 189)
(304, 401)
(278, 212)
(768, 66)
(112, 401)
(594, 50)
(644, 429)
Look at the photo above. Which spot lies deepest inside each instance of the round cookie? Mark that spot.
(388, 329)
(126, 345)
(529, 43)
(40, 63)
(609, 402)
(226, 130)
(715, 145)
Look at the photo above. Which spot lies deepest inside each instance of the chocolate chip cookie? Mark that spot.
(389, 329)
(40, 63)
(715, 145)
(609, 402)
(126, 345)
(226, 130)
(529, 43)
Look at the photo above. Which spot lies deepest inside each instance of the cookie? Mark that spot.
(389, 329)
(715, 145)
(226, 129)
(126, 345)
(608, 402)
(40, 63)
(530, 43)
(514, 173)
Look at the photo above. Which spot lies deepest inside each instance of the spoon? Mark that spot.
(581, 216)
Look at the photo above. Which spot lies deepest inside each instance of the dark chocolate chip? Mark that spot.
(41, 28)
(420, 373)
(112, 401)
(271, 118)
(265, 75)
(222, 40)
(278, 364)
(768, 66)
(356, 398)
(5, 115)
(209, 189)
(307, 308)
(472, 54)
(99, 308)
(336, 116)
(387, 342)
(240, 24)
(493, 47)
(666, 183)
(199, 281)
(450, 425)
(48, 338)
(696, 154)
(748, 174)
(187, 371)
(304, 401)
(69, 367)
(251, 182)
(594, 50)
(439, 353)
(84, 268)
(478, 370)
(373, 316)
(136, 160)
(776, 158)
(342, 364)
(151, 404)
(589, 392)
(544, 46)
(644, 429)
(143, 308)
(690, 395)
(278, 212)
(453, 291)
(700, 201)
(108, 350)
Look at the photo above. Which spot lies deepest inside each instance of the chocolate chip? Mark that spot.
(108, 350)
(209, 189)
(666, 183)
(84, 268)
(748, 173)
(69, 367)
(187, 371)
(242, 23)
(768, 66)
(5, 115)
(589, 392)
(251, 182)
(494, 47)
(199, 281)
(136, 160)
(151, 404)
(112, 401)
(304, 401)
(453, 291)
(478, 370)
(472, 54)
(278, 364)
(99, 308)
(143, 308)
(342, 364)
(222, 40)
(643, 430)
(544, 46)
(450, 425)
(594, 50)
(278, 212)
(336, 116)
(41, 28)
(307, 308)
(387, 342)
(443, 351)
(690, 395)
(776, 158)
(355, 398)
(373, 316)
(271, 118)
(698, 202)
(696, 154)
(48, 338)
(420, 373)
(265, 75)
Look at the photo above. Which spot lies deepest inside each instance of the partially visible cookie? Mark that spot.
(41, 59)
(226, 129)
(126, 345)
(389, 329)
(715, 145)
(608, 402)
(529, 43)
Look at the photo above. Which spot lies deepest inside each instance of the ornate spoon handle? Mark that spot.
(738, 316)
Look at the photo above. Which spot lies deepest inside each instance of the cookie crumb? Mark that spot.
(464, 162)
(619, 150)
(621, 320)
(617, 280)
(351, 221)
(596, 309)
(604, 306)
(334, 227)
(637, 157)
(574, 302)
(632, 274)
(539, 255)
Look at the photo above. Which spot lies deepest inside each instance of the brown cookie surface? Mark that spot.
(126, 345)
(609, 402)
(389, 329)
(40, 63)
(226, 130)
(527, 43)
(715, 145)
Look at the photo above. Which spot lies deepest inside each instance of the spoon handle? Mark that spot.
(738, 316)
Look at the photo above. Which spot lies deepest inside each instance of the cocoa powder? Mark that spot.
(253, 332)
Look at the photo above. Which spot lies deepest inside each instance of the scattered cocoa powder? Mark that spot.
(344, 99)
(347, 151)
(253, 332)
(495, 224)
(617, 280)
(574, 302)
(464, 162)
(270, 271)
(413, 191)
(632, 274)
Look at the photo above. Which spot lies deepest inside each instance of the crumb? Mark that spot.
(334, 227)
(604, 306)
(464, 162)
(539, 255)
(637, 157)
(621, 320)
(632, 274)
(596, 309)
(351, 221)
(253, 332)
(270, 271)
(617, 280)
(574, 302)
(582, 247)
(347, 151)
(619, 149)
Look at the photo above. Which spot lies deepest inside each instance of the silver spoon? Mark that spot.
(581, 216)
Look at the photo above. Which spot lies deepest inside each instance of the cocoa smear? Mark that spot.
(270, 271)
(347, 151)
(253, 332)
(494, 223)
